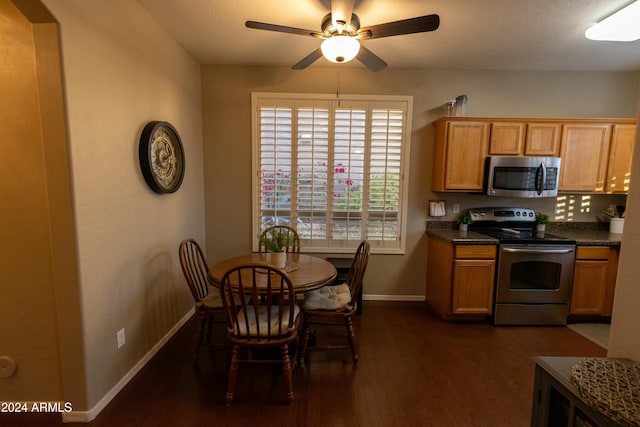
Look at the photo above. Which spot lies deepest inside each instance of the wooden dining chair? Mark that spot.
(335, 306)
(280, 234)
(270, 323)
(208, 303)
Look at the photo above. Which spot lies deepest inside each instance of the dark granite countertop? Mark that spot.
(462, 237)
(588, 234)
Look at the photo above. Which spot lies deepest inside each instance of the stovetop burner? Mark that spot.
(512, 225)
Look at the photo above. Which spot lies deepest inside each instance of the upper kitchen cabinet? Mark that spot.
(459, 153)
(525, 139)
(507, 139)
(620, 153)
(543, 139)
(584, 150)
(596, 153)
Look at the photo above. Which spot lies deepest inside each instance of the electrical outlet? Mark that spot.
(121, 337)
(456, 208)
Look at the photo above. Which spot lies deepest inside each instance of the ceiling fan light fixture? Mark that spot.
(621, 26)
(340, 48)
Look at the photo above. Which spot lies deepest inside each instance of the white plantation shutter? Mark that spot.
(384, 173)
(333, 169)
(275, 162)
(348, 174)
(312, 172)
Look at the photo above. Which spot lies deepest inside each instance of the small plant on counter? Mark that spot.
(464, 218)
(611, 213)
(542, 218)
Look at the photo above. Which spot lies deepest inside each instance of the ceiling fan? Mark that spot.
(341, 32)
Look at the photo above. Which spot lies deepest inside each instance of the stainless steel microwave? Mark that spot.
(523, 176)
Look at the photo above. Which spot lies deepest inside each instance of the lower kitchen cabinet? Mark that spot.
(460, 279)
(594, 280)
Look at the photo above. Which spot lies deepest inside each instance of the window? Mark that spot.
(334, 169)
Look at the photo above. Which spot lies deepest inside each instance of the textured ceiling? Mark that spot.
(473, 34)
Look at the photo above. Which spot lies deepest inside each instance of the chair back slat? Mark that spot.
(355, 276)
(195, 269)
(267, 301)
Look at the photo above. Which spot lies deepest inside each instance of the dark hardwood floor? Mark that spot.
(415, 370)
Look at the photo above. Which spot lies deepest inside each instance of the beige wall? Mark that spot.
(625, 322)
(121, 70)
(227, 135)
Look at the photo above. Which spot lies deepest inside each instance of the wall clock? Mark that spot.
(161, 157)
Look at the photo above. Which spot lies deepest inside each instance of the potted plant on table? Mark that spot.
(274, 240)
(541, 222)
(464, 219)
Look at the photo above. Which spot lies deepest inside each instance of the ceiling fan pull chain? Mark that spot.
(338, 87)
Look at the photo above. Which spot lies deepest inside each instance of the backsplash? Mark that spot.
(551, 227)
(565, 208)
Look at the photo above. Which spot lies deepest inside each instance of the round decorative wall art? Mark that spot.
(161, 157)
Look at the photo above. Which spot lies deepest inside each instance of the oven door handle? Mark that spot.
(538, 250)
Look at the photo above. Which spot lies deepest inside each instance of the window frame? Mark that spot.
(290, 100)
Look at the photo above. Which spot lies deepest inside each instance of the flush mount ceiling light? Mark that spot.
(621, 26)
(340, 48)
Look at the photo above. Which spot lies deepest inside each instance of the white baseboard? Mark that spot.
(366, 297)
(86, 416)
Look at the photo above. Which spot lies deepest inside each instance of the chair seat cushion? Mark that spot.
(241, 328)
(328, 298)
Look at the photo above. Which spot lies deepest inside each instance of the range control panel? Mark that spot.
(502, 214)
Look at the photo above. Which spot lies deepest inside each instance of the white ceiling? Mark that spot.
(473, 34)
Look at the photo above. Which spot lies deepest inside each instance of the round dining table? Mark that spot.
(306, 272)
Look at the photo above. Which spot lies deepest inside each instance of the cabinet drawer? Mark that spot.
(475, 252)
(592, 252)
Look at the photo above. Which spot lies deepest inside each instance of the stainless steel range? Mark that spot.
(535, 270)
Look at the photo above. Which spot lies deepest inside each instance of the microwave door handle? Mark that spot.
(543, 178)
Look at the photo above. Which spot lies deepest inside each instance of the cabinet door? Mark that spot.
(589, 287)
(584, 150)
(467, 144)
(612, 267)
(507, 139)
(543, 139)
(620, 153)
(472, 286)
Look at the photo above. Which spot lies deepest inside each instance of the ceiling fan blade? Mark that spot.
(419, 24)
(282, 29)
(370, 59)
(308, 60)
(341, 10)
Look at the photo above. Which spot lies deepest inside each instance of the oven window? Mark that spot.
(535, 275)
